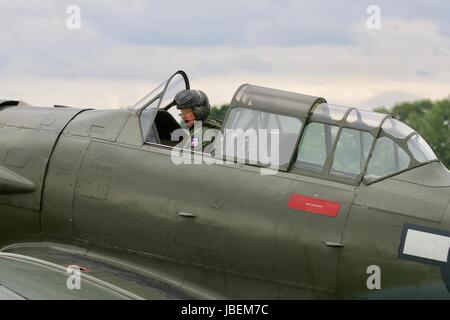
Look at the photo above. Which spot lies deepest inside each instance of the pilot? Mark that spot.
(194, 107)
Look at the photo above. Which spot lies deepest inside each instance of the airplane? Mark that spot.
(359, 207)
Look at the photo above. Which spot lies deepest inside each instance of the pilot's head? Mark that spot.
(194, 106)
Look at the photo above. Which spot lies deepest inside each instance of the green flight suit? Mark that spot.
(197, 134)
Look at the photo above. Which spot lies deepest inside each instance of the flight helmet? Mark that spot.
(196, 100)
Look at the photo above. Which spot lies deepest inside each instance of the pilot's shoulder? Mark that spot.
(211, 123)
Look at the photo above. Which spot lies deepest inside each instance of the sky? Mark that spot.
(124, 48)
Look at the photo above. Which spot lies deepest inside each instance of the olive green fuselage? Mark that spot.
(217, 231)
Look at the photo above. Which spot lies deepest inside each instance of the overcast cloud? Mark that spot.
(124, 48)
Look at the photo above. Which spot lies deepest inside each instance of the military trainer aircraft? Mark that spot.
(359, 207)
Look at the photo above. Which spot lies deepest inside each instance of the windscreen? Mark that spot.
(166, 91)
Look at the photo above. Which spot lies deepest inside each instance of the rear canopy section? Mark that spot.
(320, 139)
(254, 111)
(272, 100)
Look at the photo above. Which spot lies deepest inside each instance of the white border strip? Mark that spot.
(427, 245)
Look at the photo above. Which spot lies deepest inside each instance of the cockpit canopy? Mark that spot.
(324, 139)
(315, 138)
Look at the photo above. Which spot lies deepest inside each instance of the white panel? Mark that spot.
(427, 245)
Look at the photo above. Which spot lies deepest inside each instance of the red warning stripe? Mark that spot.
(314, 205)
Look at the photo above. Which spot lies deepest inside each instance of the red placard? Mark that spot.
(314, 205)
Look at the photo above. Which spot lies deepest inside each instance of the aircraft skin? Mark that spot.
(27, 278)
(84, 183)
